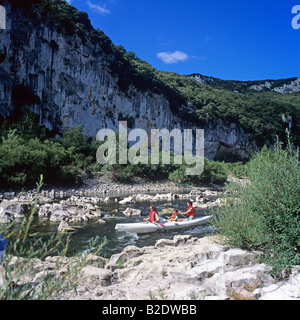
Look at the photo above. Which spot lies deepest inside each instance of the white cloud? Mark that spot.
(172, 57)
(98, 8)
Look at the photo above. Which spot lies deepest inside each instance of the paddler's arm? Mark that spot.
(189, 211)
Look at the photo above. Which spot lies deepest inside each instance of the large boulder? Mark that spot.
(129, 212)
(10, 210)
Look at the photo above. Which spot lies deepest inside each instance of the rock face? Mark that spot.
(291, 86)
(223, 142)
(183, 268)
(281, 86)
(69, 83)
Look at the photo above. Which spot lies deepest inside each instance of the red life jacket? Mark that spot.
(193, 213)
(152, 216)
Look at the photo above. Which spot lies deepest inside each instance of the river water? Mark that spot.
(117, 241)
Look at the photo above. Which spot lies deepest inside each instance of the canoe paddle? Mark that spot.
(160, 224)
(157, 223)
(182, 214)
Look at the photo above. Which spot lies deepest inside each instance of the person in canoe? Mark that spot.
(174, 217)
(153, 215)
(191, 211)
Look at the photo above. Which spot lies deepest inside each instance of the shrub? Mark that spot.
(264, 213)
(214, 172)
(150, 172)
(74, 138)
(237, 169)
(22, 161)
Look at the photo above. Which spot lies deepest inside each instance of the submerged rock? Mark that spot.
(64, 227)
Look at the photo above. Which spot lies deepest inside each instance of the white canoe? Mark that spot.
(147, 227)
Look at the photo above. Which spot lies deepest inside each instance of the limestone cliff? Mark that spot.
(282, 86)
(67, 80)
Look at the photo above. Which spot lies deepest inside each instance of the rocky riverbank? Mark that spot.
(182, 268)
(74, 207)
(99, 188)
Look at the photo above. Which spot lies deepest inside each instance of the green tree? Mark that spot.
(22, 161)
(74, 137)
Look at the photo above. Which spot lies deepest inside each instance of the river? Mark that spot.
(117, 241)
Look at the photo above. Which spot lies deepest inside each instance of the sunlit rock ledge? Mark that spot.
(182, 268)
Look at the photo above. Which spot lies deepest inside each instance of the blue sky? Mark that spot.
(227, 39)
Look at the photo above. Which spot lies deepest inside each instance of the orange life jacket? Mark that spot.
(174, 215)
(152, 216)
